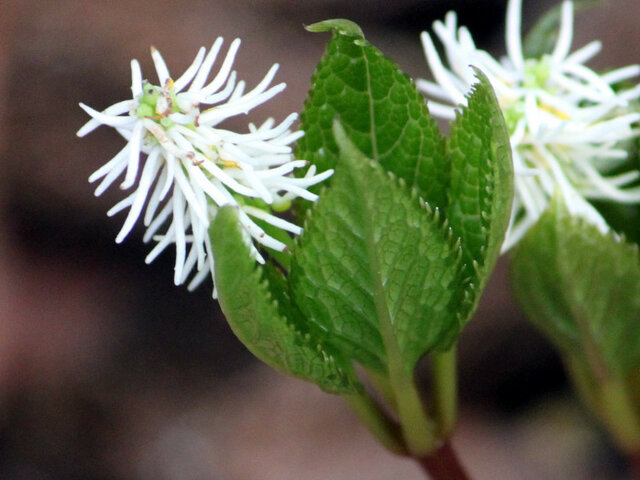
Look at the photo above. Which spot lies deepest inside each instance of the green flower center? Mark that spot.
(536, 73)
(157, 103)
(536, 76)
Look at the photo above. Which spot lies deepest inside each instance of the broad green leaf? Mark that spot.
(582, 288)
(374, 259)
(481, 190)
(260, 322)
(379, 108)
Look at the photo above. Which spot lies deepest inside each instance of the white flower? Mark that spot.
(566, 121)
(183, 168)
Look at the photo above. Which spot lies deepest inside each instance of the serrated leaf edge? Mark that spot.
(467, 291)
(305, 339)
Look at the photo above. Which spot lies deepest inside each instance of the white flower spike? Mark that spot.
(183, 168)
(566, 121)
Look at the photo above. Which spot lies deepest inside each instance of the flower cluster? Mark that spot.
(566, 122)
(182, 167)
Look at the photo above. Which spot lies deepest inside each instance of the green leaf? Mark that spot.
(582, 288)
(263, 324)
(543, 36)
(380, 110)
(376, 268)
(481, 190)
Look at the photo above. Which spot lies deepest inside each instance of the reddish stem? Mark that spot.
(634, 462)
(443, 464)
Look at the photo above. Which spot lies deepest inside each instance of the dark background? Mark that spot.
(108, 371)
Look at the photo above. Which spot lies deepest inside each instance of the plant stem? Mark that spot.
(445, 391)
(634, 462)
(621, 414)
(377, 421)
(611, 399)
(417, 428)
(443, 464)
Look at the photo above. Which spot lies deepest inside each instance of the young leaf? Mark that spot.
(582, 288)
(260, 322)
(543, 36)
(379, 108)
(481, 190)
(376, 267)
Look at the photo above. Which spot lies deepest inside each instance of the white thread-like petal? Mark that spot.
(566, 121)
(192, 166)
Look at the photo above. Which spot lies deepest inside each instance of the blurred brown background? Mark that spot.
(108, 371)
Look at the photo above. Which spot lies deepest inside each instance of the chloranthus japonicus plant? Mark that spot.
(394, 231)
(394, 254)
(392, 227)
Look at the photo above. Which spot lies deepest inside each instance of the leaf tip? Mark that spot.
(480, 75)
(338, 26)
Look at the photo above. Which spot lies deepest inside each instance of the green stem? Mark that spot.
(417, 429)
(612, 401)
(378, 422)
(621, 414)
(382, 385)
(445, 390)
(584, 383)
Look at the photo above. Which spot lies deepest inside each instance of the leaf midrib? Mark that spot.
(395, 364)
(409, 408)
(372, 126)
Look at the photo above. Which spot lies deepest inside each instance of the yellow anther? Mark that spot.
(554, 111)
(228, 163)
